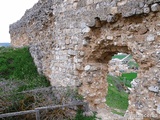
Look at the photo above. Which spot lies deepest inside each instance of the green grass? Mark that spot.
(133, 64)
(129, 76)
(79, 116)
(126, 78)
(16, 65)
(119, 56)
(115, 98)
(118, 99)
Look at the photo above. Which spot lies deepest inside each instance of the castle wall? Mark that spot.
(72, 41)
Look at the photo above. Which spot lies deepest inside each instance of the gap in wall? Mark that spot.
(122, 70)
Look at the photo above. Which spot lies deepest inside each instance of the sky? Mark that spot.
(10, 12)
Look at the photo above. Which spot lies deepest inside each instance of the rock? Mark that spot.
(158, 109)
(113, 10)
(111, 18)
(71, 52)
(87, 68)
(143, 30)
(81, 53)
(141, 4)
(94, 68)
(85, 43)
(79, 67)
(129, 13)
(155, 7)
(139, 11)
(109, 37)
(86, 30)
(103, 100)
(121, 2)
(158, 33)
(78, 83)
(139, 104)
(91, 23)
(146, 10)
(67, 41)
(154, 89)
(97, 101)
(92, 95)
(150, 38)
(89, 81)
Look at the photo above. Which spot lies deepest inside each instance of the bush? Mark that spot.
(79, 116)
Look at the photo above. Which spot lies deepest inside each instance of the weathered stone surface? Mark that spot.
(146, 10)
(85, 43)
(155, 7)
(109, 37)
(154, 89)
(150, 38)
(158, 109)
(87, 68)
(55, 29)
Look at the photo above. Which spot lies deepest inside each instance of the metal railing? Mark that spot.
(50, 103)
(36, 111)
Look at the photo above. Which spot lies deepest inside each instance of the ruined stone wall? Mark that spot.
(72, 41)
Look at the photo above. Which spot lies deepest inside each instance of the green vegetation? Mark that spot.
(119, 56)
(129, 76)
(80, 116)
(132, 64)
(116, 99)
(16, 65)
(126, 78)
(19, 73)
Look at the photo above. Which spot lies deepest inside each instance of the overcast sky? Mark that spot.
(10, 12)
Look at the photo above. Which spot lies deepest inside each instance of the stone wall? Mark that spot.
(72, 42)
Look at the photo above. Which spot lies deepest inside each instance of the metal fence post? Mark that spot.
(37, 115)
(86, 107)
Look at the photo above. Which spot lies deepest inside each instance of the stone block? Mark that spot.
(85, 43)
(146, 10)
(158, 109)
(97, 101)
(67, 41)
(109, 37)
(155, 7)
(88, 2)
(87, 68)
(150, 38)
(153, 89)
(71, 52)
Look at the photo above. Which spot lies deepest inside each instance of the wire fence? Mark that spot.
(50, 103)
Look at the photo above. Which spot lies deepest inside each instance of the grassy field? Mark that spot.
(16, 65)
(117, 98)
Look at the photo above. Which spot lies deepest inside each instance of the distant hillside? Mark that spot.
(4, 44)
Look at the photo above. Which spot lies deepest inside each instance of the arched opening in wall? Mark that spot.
(122, 71)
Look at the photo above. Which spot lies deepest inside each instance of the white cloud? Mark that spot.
(10, 12)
